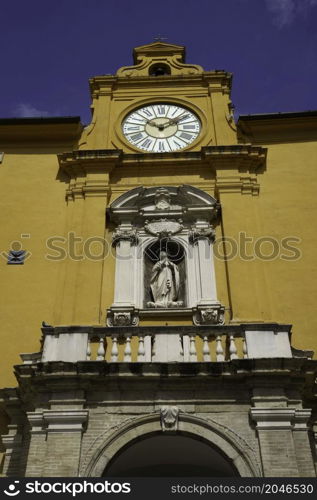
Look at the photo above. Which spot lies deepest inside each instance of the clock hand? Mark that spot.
(160, 126)
(174, 121)
(152, 123)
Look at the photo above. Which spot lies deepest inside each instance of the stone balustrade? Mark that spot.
(163, 343)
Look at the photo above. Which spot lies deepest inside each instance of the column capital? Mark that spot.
(65, 420)
(125, 233)
(36, 421)
(301, 419)
(273, 418)
(202, 232)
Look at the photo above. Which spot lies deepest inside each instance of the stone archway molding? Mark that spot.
(233, 446)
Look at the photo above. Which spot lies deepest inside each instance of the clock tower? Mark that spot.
(160, 102)
(166, 346)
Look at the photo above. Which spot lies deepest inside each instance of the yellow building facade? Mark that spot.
(86, 215)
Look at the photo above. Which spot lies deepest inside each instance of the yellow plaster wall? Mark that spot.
(287, 207)
(32, 201)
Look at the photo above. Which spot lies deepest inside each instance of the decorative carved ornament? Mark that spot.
(162, 199)
(125, 234)
(197, 233)
(169, 418)
(212, 315)
(163, 227)
(122, 318)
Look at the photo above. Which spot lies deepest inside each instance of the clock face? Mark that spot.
(161, 128)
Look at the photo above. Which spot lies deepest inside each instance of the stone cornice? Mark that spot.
(274, 369)
(235, 156)
(212, 81)
(235, 167)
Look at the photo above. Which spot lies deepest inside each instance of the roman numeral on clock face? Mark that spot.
(189, 127)
(186, 136)
(160, 110)
(147, 112)
(161, 127)
(145, 144)
(131, 128)
(136, 137)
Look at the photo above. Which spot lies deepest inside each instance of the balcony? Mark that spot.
(176, 344)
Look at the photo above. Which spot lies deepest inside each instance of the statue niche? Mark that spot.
(164, 280)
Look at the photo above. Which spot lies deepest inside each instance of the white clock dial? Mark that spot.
(161, 128)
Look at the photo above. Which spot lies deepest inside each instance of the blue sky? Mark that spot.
(51, 48)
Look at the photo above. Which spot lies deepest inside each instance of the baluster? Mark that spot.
(114, 349)
(181, 347)
(232, 348)
(153, 345)
(141, 350)
(127, 350)
(192, 348)
(219, 349)
(244, 348)
(206, 350)
(88, 352)
(101, 350)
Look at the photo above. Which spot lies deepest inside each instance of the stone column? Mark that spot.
(37, 447)
(277, 448)
(201, 237)
(122, 311)
(208, 309)
(303, 449)
(64, 435)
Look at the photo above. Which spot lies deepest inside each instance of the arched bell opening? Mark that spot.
(169, 456)
(159, 69)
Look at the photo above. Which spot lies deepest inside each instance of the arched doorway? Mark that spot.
(222, 444)
(170, 456)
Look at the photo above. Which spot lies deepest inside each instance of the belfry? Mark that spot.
(166, 252)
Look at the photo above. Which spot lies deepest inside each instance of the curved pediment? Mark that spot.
(184, 201)
(159, 53)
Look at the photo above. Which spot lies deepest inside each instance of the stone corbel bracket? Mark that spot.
(213, 314)
(122, 316)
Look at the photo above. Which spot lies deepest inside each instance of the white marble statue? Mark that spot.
(165, 283)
